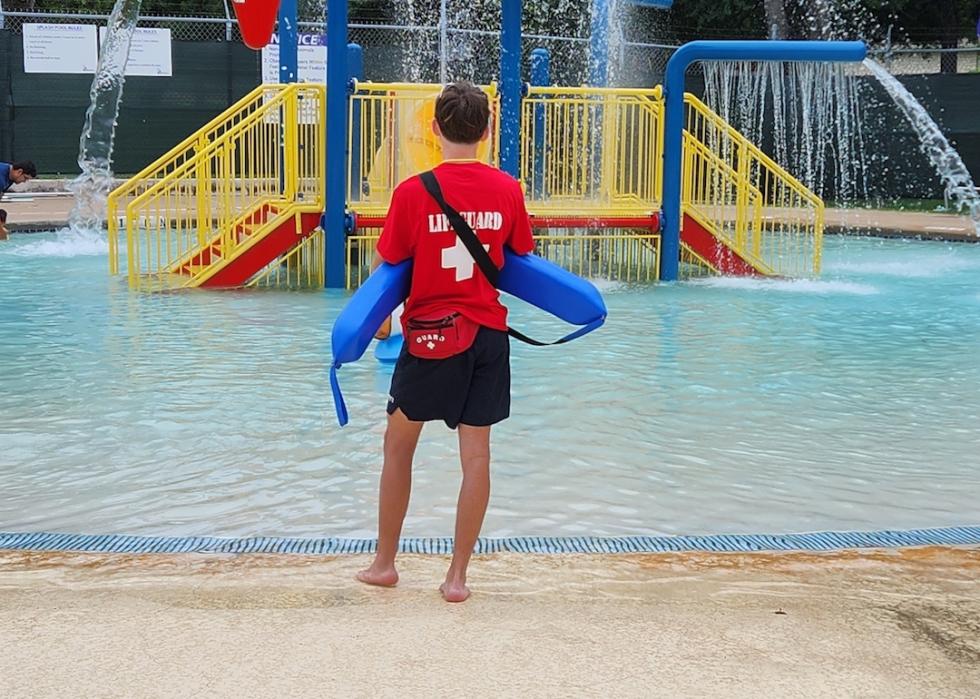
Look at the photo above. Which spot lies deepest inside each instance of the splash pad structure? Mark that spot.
(827, 51)
(598, 164)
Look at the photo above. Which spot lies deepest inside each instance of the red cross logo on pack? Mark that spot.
(441, 337)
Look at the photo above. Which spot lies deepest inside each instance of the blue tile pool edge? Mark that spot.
(715, 543)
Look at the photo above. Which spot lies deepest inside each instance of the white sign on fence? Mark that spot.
(60, 48)
(312, 59)
(149, 53)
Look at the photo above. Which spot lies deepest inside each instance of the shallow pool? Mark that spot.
(715, 406)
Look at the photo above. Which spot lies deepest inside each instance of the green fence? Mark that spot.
(42, 114)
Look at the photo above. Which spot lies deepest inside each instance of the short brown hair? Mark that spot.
(462, 112)
(26, 166)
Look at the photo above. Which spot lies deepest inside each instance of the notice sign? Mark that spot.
(60, 48)
(312, 59)
(149, 53)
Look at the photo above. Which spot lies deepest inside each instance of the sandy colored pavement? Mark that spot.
(874, 624)
(898, 224)
(37, 212)
(47, 211)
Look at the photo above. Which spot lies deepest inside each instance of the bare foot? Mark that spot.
(383, 577)
(454, 591)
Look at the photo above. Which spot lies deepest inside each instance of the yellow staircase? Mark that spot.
(230, 203)
(753, 207)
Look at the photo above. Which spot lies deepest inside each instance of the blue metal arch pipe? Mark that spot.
(510, 86)
(836, 51)
(540, 77)
(334, 221)
(288, 42)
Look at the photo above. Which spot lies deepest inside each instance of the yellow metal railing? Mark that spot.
(301, 268)
(390, 138)
(721, 201)
(174, 159)
(693, 265)
(360, 254)
(767, 215)
(232, 189)
(591, 150)
(620, 256)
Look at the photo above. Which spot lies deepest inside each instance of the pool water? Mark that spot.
(713, 406)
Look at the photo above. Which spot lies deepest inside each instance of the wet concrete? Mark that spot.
(868, 624)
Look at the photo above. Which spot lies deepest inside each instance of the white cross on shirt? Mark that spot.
(458, 257)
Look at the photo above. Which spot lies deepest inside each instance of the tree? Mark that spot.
(697, 19)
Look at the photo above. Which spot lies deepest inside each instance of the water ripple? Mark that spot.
(709, 407)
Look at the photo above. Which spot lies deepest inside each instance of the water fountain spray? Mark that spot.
(92, 186)
(960, 190)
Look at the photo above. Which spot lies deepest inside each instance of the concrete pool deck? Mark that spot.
(46, 211)
(898, 623)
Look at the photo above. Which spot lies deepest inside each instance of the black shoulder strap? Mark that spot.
(463, 229)
(475, 247)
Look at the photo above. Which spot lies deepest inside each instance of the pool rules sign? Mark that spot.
(60, 48)
(74, 49)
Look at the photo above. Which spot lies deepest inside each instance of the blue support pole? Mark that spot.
(540, 77)
(334, 220)
(288, 42)
(836, 51)
(355, 71)
(599, 44)
(510, 86)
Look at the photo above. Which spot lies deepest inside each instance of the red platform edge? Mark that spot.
(722, 257)
(277, 242)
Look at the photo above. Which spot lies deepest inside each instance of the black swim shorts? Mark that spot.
(472, 387)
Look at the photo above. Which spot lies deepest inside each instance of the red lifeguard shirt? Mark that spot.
(444, 276)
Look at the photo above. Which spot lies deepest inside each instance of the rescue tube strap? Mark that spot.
(338, 397)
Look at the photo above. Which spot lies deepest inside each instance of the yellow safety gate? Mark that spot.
(390, 138)
(591, 151)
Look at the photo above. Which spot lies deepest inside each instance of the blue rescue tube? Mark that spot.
(528, 277)
(354, 328)
(551, 288)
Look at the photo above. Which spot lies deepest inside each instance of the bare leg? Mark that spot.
(474, 494)
(401, 437)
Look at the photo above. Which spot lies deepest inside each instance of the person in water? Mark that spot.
(455, 364)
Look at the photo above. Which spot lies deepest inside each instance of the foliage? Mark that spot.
(910, 19)
(934, 21)
(175, 8)
(928, 21)
(717, 19)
